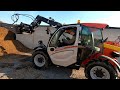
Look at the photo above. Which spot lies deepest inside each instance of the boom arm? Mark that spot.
(29, 28)
(40, 19)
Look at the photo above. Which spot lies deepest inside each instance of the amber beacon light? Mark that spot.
(78, 21)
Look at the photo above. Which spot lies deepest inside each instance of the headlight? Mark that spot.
(97, 49)
(115, 54)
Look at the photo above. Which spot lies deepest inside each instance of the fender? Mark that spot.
(38, 48)
(114, 61)
(41, 47)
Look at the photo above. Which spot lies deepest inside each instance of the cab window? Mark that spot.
(86, 36)
(64, 37)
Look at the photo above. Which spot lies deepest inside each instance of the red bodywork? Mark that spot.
(113, 43)
(95, 56)
(95, 25)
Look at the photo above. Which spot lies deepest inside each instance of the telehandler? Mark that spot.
(75, 45)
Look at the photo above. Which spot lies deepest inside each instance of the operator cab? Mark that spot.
(74, 43)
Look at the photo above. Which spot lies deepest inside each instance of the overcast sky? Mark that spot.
(111, 18)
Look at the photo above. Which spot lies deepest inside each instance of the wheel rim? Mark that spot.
(39, 60)
(99, 72)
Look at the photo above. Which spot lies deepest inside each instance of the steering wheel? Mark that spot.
(85, 42)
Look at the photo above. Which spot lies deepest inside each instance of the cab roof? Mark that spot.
(92, 25)
(95, 25)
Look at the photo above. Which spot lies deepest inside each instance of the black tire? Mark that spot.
(107, 69)
(36, 62)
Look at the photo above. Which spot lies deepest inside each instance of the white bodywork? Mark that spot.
(66, 55)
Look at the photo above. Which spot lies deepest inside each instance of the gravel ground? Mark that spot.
(21, 67)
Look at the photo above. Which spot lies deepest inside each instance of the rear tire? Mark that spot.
(100, 70)
(40, 60)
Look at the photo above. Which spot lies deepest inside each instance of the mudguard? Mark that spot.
(41, 46)
(112, 60)
(38, 48)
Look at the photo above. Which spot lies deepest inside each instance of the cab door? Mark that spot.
(60, 53)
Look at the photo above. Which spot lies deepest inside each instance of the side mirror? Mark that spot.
(104, 40)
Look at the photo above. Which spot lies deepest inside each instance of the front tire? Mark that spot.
(40, 60)
(100, 70)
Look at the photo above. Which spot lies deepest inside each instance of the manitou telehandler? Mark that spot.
(75, 45)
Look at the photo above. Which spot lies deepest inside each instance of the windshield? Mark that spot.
(86, 37)
(92, 37)
(97, 34)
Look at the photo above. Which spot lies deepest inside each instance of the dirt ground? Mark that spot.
(21, 67)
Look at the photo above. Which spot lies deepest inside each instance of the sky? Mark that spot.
(112, 18)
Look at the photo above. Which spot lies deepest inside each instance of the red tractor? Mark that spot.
(76, 45)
